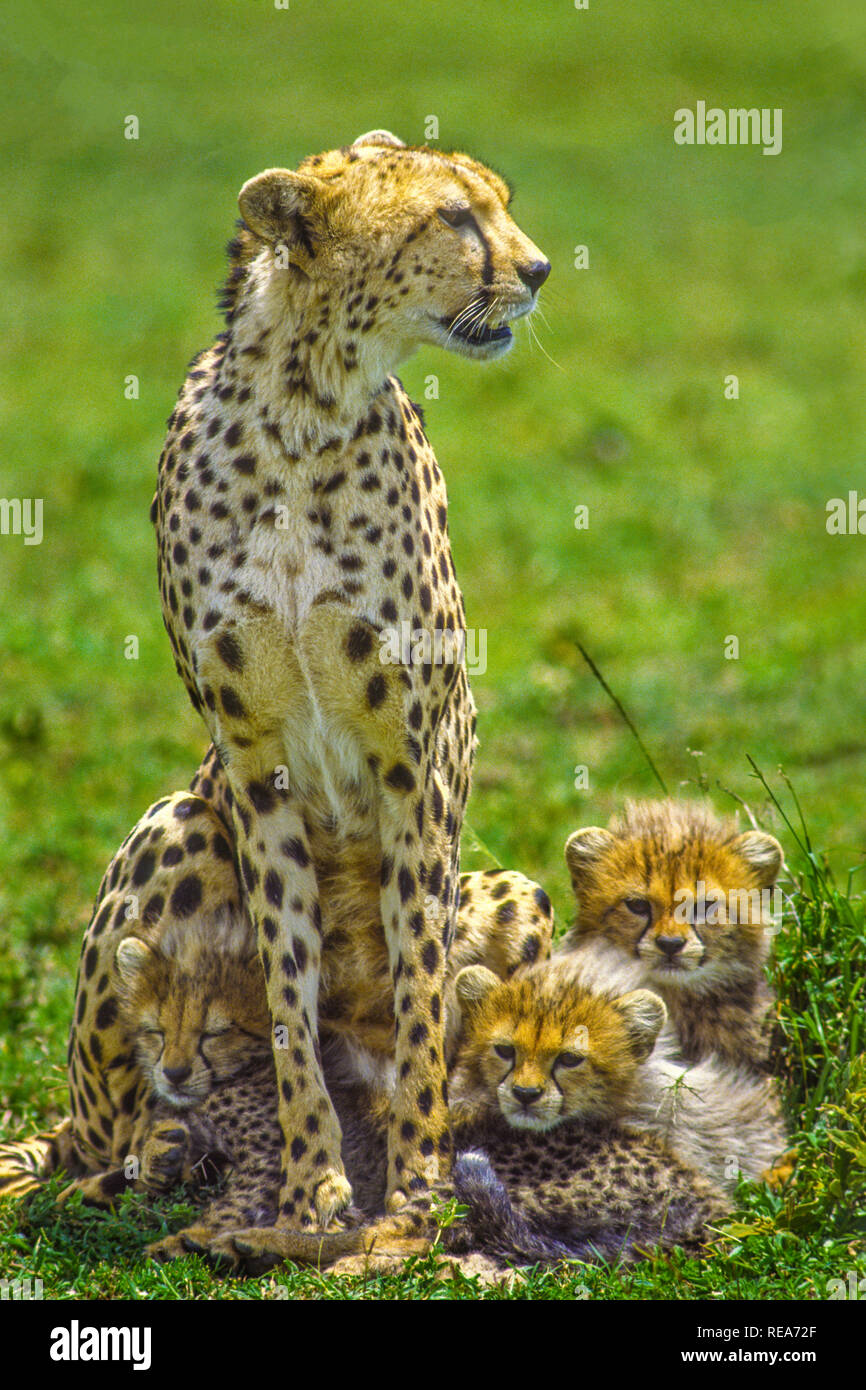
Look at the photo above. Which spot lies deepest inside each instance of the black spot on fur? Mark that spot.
(229, 649)
(186, 896)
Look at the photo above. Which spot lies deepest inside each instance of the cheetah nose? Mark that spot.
(527, 1095)
(534, 275)
(670, 944)
(175, 1076)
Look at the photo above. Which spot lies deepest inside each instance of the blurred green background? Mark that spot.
(707, 515)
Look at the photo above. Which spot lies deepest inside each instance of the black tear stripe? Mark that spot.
(487, 272)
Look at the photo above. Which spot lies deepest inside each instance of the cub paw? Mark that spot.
(164, 1159)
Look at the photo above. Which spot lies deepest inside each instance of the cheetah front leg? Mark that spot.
(283, 900)
(418, 907)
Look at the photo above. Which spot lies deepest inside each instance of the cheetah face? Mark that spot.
(195, 1020)
(690, 911)
(185, 1048)
(537, 1087)
(545, 1051)
(417, 244)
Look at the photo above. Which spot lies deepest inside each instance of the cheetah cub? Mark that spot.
(673, 898)
(546, 1077)
(193, 1009)
(544, 1050)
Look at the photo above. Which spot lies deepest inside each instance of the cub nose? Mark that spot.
(534, 275)
(526, 1094)
(176, 1075)
(670, 944)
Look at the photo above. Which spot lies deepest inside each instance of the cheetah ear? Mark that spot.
(584, 848)
(131, 958)
(279, 205)
(645, 1015)
(474, 983)
(762, 853)
(379, 137)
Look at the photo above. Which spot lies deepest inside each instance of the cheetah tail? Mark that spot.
(498, 1228)
(25, 1164)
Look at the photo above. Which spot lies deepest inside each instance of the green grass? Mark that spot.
(707, 516)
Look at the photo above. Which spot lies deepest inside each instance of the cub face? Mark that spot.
(427, 234)
(674, 887)
(195, 1008)
(541, 1050)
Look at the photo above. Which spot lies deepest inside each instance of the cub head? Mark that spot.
(194, 1004)
(542, 1050)
(671, 885)
(402, 245)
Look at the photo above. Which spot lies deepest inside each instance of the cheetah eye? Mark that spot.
(505, 1051)
(152, 1033)
(216, 1033)
(456, 217)
(569, 1059)
(641, 907)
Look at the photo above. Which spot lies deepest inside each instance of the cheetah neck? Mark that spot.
(301, 353)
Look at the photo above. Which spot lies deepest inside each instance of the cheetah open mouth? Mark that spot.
(468, 337)
(479, 335)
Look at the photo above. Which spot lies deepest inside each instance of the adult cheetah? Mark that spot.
(301, 520)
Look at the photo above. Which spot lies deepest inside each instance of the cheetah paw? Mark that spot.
(192, 1240)
(333, 1194)
(164, 1157)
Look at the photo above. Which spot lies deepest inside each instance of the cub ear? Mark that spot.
(380, 137)
(131, 958)
(584, 848)
(645, 1015)
(280, 205)
(474, 983)
(762, 853)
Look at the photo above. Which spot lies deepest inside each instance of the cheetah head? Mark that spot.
(541, 1050)
(405, 244)
(670, 885)
(194, 1005)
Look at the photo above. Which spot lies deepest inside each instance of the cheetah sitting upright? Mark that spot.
(301, 519)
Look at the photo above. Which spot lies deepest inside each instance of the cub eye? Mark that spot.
(641, 907)
(505, 1051)
(568, 1059)
(216, 1033)
(153, 1032)
(456, 217)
